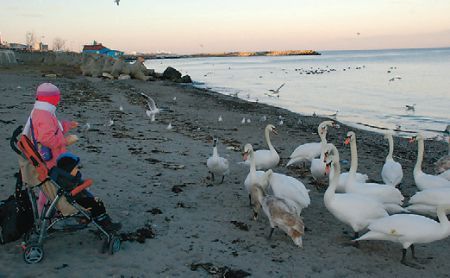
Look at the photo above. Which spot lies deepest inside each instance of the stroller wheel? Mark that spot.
(33, 254)
(114, 245)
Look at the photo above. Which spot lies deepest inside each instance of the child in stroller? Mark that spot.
(68, 175)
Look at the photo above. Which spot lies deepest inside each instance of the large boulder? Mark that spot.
(108, 65)
(138, 70)
(171, 74)
(185, 79)
(119, 67)
(97, 66)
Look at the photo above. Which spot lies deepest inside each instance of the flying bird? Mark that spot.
(117, 2)
(410, 107)
(152, 109)
(277, 91)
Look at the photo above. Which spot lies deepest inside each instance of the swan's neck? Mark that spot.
(215, 153)
(252, 164)
(333, 180)
(420, 148)
(267, 135)
(323, 138)
(354, 159)
(323, 144)
(391, 148)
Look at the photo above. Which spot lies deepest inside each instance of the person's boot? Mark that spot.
(105, 222)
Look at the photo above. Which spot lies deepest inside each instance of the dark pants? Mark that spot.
(91, 203)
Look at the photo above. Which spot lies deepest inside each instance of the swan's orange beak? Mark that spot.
(274, 131)
(245, 156)
(327, 169)
(347, 141)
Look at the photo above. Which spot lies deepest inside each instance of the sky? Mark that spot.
(200, 26)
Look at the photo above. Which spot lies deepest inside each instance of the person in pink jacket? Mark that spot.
(44, 129)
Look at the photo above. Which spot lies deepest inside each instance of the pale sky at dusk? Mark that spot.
(182, 26)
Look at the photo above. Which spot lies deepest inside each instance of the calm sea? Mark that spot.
(368, 89)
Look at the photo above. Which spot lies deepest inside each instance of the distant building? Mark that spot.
(18, 46)
(98, 48)
(44, 47)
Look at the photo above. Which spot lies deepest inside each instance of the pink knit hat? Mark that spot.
(47, 90)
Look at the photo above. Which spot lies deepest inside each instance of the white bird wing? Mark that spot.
(425, 181)
(308, 150)
(265, 159)
(286, 187)
(405, 225)
(433, 197)
(356, 210)
(277, 90)
(382, 192)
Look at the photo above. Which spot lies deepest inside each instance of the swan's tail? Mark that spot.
(371, 235)
(294, 160)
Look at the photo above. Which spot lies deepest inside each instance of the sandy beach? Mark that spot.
(152, 177)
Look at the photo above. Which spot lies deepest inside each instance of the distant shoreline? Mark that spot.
(225, 54)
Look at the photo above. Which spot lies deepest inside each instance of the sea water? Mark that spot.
(368, 89)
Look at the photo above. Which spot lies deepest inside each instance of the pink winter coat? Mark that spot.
(48, 132)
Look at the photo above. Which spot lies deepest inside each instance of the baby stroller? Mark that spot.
(50, 220)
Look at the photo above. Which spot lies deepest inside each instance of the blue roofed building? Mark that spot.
(98, 48)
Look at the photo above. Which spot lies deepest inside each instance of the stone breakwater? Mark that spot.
(96, 65)
(7, 57)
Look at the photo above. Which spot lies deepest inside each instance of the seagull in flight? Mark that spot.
(117, 2)
(152, 109)
(275, 93)
(410, 107)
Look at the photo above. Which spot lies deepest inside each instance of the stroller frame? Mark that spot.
(32, 245)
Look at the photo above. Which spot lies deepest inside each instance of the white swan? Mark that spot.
(343, 179)
(386, 194)
(392, 172)
(409, 229)
(355, 210)
(289, 189)
(425, 181)
(266, 159)
(309, 151)
(317, 165)
(280, 215)
(254, 177)
(427, 201)
(217, 165)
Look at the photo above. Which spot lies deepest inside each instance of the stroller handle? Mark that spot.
(87, 183)
(13, 141)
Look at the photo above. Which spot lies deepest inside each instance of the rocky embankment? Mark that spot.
(96, 65)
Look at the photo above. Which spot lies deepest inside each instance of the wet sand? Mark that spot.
(154, 178)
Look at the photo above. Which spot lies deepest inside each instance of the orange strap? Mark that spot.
(27, 148)
(87, 183)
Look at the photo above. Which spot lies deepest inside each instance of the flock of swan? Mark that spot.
(377, 208)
